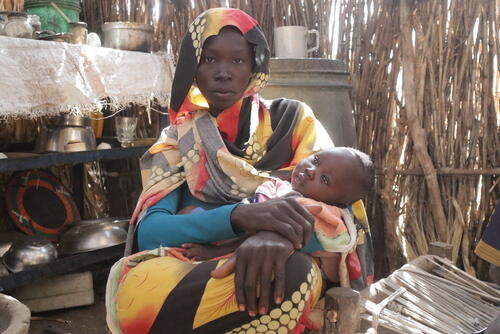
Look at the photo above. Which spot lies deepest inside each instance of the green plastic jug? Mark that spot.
(50, 18)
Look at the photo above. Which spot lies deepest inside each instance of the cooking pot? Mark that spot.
(3, 270)
(128, 36)
(71, 133)
(72, 120)
(29, 251)
(91, 235)
(7, 239)
(122, 222)
(59, 139)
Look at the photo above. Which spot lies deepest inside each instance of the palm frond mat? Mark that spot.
(431, 295)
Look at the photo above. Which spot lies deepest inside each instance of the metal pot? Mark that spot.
(128, 36)
(72, 120)
(85, 237)
(57, 139)
(29, 251)
(7, 239)
(3, 270)
(122, 222)
(79, 31)
(4, 18)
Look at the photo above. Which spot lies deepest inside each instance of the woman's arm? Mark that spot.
(162, 227)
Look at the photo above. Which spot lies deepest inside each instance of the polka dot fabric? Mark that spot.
(283, 318)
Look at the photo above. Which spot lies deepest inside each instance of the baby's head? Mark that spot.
(339, 176)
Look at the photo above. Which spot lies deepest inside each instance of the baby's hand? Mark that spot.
(198, 252)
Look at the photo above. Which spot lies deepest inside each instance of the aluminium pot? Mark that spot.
(128, 36)
(89, 235)
(29, 251)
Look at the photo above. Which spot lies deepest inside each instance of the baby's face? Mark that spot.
(328, 176)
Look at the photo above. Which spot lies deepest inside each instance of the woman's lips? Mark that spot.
(222, 93)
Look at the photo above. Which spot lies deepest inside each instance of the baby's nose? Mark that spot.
(310, 172)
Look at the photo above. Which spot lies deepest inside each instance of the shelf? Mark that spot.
(15, 162)
(59, 267)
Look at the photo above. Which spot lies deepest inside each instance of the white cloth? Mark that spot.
(40, 78)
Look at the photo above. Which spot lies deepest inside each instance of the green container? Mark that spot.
(50, 18)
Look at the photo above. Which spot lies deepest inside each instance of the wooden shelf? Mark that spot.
(25, 161)
(60, 266)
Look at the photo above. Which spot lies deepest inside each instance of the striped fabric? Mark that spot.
(153, 292)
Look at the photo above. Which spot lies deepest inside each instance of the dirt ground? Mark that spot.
(78, 320)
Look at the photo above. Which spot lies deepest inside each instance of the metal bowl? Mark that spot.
(3, 270)
(29, 251)
(85, 237)
(7, 239)
(122, 222)
(130, 36)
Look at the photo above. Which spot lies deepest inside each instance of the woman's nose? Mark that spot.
(310, 172)
(223, 74)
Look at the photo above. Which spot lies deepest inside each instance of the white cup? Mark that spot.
(291, 41)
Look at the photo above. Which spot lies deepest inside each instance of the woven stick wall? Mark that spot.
(423, 76)
(11, 5)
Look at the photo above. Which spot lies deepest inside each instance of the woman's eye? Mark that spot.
(208, 59)
(325, 179)
(315, 160)
(238, 61)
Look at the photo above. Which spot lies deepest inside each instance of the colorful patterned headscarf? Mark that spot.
(185, 98)
(224, 158)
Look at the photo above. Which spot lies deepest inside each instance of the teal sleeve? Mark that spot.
(162, 227)
(312, 245)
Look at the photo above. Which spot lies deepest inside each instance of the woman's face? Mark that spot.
(225, 69)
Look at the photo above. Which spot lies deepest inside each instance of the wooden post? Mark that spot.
(441, 249)
(342, 307)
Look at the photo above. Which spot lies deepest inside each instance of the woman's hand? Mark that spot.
(256, 261)
(281, 215)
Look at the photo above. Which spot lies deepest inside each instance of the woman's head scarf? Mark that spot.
(185, 97)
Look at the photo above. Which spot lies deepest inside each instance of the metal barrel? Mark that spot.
(321, 83)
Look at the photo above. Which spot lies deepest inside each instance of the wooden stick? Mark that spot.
(342, 307)
(56, 7)
(417, 132)
(440, 249)
(444, 171)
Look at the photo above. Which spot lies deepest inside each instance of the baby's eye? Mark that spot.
(208, 59)
(238, 61)
(315, 160)
(325, 179)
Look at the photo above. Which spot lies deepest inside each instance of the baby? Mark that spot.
(335, 178)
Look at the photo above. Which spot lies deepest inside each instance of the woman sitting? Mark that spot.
(223, 142)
